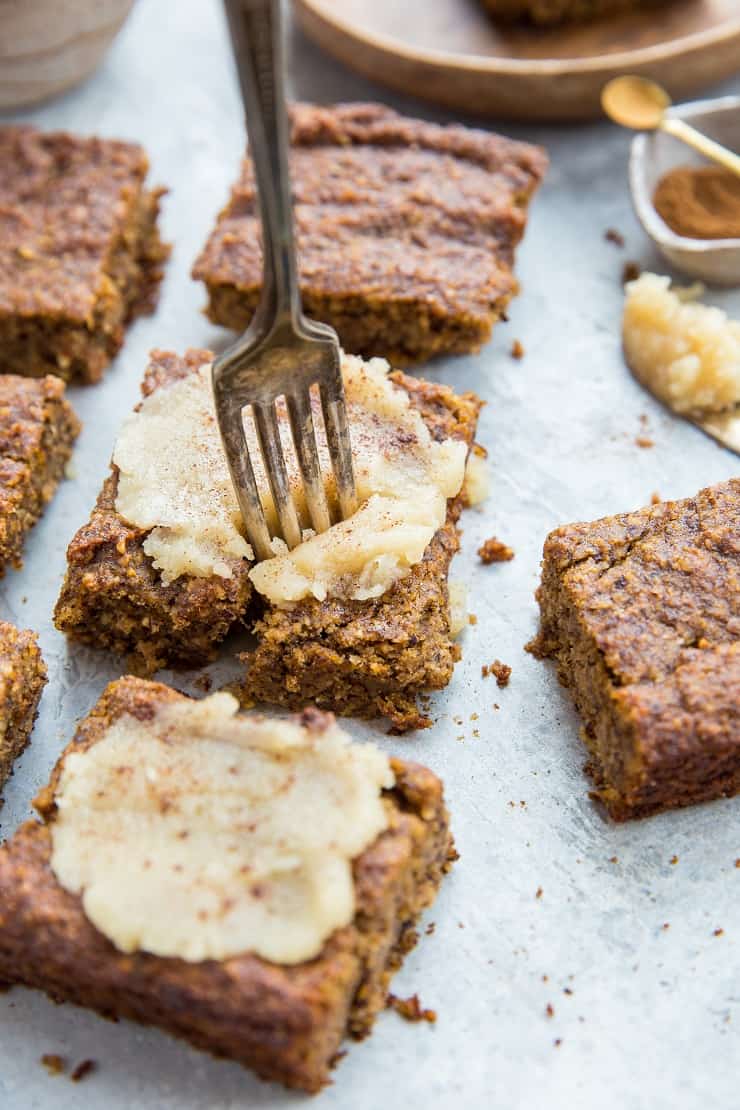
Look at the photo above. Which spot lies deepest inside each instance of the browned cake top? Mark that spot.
(62, 201)
(24, 412)
(391, 208)
(651, 584)
(19, 656)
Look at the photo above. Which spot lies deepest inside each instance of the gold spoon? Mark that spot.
(641, 105)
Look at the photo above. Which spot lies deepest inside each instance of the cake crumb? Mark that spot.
(567, 990)
(613, 236)
(472, 619)
(517, 349)
(558, 1041)
(673, 860)
(538, 892)
(718, 933)
(430, 928)
(410, 1009)
(82, 1070)
(644, 441)
(54, 1064)
(630, 272)
(549, 1010)
(666, 925)
(501, 671)
(493, 550)
(655, 498)
(613, 859)
(737, 863)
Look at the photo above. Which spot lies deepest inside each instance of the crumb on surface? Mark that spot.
(517, 349)
(644, 441)
(613, 236)
(673, 860)
(567, 990)
(630, 272)
(54, 1064)
(558, 1041)
(430, 928)
(666, 925)
(613, 859)
(655, 498)
(501, 671)
(410, 1008)
(538, 892)
(718, 933)
(493, 550)
(472, 619)
(549, 1010)
(82, 1070)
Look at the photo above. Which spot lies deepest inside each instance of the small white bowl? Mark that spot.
(716, 261)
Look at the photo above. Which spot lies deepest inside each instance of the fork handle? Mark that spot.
(256, 37)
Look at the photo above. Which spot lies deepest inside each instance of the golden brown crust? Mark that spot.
(406, 231)
(80, 254)
(37, 431)
(642, 614)
(371, 658)
(284, 1022)
(363, 658)
(22, 678)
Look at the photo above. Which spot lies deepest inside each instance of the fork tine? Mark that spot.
(337, 435)
(231, 423)
(304, 440)
(266, 423)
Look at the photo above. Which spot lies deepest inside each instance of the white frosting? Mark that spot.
(173, 480)
(204, 834)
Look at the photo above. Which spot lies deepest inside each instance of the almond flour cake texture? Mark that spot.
(80, 253)
(641, 612)
(69, 926)
(406, 231)
(357, 620)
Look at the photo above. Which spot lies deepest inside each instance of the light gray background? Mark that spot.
(652, 1021)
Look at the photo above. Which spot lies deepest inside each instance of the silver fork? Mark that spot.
(282, 353)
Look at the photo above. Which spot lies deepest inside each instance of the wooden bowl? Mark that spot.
(451, 52)
(47, 46)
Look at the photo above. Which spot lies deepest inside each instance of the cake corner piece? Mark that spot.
(38, 428)
(22, 680)
(82, 201)
(641, 614)
(285, 1021)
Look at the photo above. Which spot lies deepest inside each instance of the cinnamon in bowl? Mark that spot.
(700, 202)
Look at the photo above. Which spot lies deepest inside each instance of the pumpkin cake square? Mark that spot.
(80, 253)
(361, 627)
(328, 849)
(641, 612)
(406, 231)
(22, 678)
(38, 429)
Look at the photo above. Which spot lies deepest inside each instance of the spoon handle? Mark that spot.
(679, 129)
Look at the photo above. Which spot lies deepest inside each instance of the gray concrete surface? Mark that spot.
(650, 1020)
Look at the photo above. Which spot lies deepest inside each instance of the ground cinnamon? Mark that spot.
(700, 202)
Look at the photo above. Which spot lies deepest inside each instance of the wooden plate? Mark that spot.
(451, 52)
